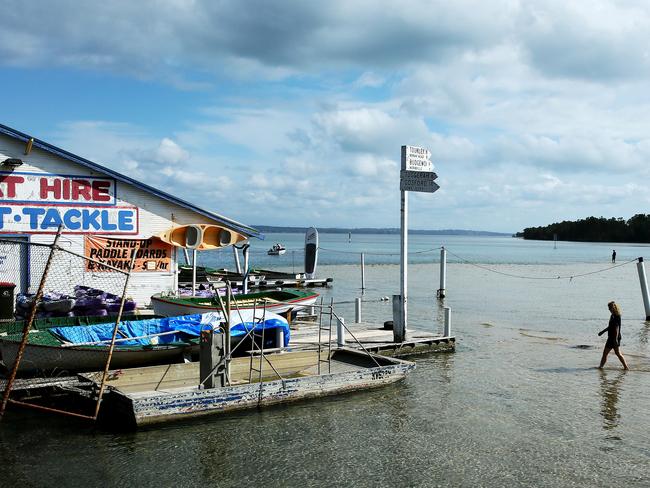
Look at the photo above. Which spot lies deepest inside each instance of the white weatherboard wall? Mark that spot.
(155, 215)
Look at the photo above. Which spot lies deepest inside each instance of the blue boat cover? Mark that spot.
(176, 329)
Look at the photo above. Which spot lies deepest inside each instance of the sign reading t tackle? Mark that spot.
(40, 202)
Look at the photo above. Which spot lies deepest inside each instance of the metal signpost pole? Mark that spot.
(416, 175)
(400, 333)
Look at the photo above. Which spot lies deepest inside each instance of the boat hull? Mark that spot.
(170, 306)
(151, 407)
(39, 358)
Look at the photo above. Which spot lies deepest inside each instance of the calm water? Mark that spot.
(518, 404)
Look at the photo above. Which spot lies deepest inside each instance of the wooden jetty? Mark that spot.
(322, 359)
(375, 338)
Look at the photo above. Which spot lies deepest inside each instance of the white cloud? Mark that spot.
(532, 110)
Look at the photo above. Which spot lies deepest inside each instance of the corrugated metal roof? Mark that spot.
(232, 224)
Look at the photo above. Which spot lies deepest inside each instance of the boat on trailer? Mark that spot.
(276, 301)
(159, 394)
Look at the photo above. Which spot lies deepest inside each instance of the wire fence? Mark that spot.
(55, 295)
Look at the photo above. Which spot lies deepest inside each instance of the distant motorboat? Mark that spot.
(276, 250)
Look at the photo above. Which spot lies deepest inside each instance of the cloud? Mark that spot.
(532, 110)
(274, 39)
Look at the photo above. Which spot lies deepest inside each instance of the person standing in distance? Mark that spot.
(613, 255)
(613, 335)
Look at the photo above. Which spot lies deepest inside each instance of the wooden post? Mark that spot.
(357, 310)
(363, 271)
(447, 328)
(212, 367)
(398, 329)
(443, 273)
(644, 287)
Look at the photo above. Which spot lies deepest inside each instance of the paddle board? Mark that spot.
(311, 253)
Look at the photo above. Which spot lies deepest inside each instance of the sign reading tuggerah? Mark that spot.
(422, 181)
(417, 170)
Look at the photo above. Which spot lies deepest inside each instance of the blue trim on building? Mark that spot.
(232, 224)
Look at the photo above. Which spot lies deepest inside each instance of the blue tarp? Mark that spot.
(185, 327)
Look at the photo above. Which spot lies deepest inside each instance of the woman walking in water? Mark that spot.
(613, 335)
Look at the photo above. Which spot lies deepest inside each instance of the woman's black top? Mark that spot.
(614, 331)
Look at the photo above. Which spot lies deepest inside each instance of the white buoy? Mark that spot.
(357, 310)
(443, 274)
(644, 288)
(447, 328)
(340, 332)
(363, 271)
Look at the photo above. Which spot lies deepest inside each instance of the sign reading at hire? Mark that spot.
(33, 188)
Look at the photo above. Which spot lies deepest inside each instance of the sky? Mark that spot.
(293, 112)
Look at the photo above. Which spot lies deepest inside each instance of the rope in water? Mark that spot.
(370, 253)
(568, 277)
(481, 266)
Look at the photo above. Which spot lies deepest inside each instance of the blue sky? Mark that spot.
(293, 113)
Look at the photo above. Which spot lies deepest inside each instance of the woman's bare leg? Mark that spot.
(604, 358)
(619, 354)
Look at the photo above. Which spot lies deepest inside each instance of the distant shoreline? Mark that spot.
(391, 230)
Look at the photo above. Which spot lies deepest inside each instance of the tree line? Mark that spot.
(594, 229)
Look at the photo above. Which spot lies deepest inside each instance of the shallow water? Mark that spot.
(520, 402)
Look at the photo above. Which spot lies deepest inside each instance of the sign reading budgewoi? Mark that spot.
(417, 170)
(416, 159)
(41, 202)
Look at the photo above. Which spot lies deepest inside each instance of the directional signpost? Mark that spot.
(416, 175)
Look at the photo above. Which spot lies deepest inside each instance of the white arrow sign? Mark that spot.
(416, 159)
(422, 181)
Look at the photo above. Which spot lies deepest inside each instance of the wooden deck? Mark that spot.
(374, 338)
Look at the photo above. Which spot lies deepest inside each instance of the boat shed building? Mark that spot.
(43, 186)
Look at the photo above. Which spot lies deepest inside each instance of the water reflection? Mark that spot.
(644, 334)
(610, 388)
